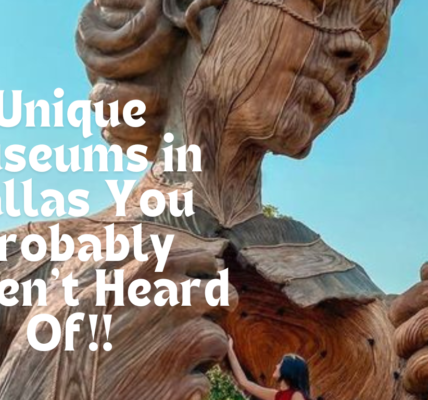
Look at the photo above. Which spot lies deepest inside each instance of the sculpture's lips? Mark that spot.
(337, 91)
(331, 94)
(326, 96)
(322, 101)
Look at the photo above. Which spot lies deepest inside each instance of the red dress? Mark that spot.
(285, 395)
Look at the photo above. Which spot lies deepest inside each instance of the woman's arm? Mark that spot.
(252, 388)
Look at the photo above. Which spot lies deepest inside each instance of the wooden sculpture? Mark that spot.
(239, 79)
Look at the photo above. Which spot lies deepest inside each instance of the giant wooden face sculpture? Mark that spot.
(270, 72)
(249, 76)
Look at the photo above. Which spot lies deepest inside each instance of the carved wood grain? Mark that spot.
(151, 344)
(262, 79)
(348, 346)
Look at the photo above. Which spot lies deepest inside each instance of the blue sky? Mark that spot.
(364, 188)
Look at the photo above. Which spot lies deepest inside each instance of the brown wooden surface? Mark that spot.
(348, 345)
(151, 345)
(408, 313)
(239, 79)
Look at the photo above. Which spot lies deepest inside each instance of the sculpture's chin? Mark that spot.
(303, 153)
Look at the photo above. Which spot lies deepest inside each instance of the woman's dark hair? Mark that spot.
(294, 371)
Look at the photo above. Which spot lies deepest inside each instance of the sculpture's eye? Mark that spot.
(371, 15)
(375, 22)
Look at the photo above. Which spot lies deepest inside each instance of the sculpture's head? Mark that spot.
(273, 73)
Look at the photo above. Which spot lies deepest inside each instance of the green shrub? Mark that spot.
(273, 212)
(222, 386)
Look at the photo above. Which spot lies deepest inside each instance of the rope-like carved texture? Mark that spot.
(313, 24)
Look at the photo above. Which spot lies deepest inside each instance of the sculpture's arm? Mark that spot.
(409, 314)
(21, 270)
(158, 352)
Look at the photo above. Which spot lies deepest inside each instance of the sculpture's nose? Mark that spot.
(352, 53)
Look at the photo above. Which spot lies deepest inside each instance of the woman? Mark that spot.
(291, 373)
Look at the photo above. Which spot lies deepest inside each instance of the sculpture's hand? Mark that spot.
(409, 314)
(158, 352)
